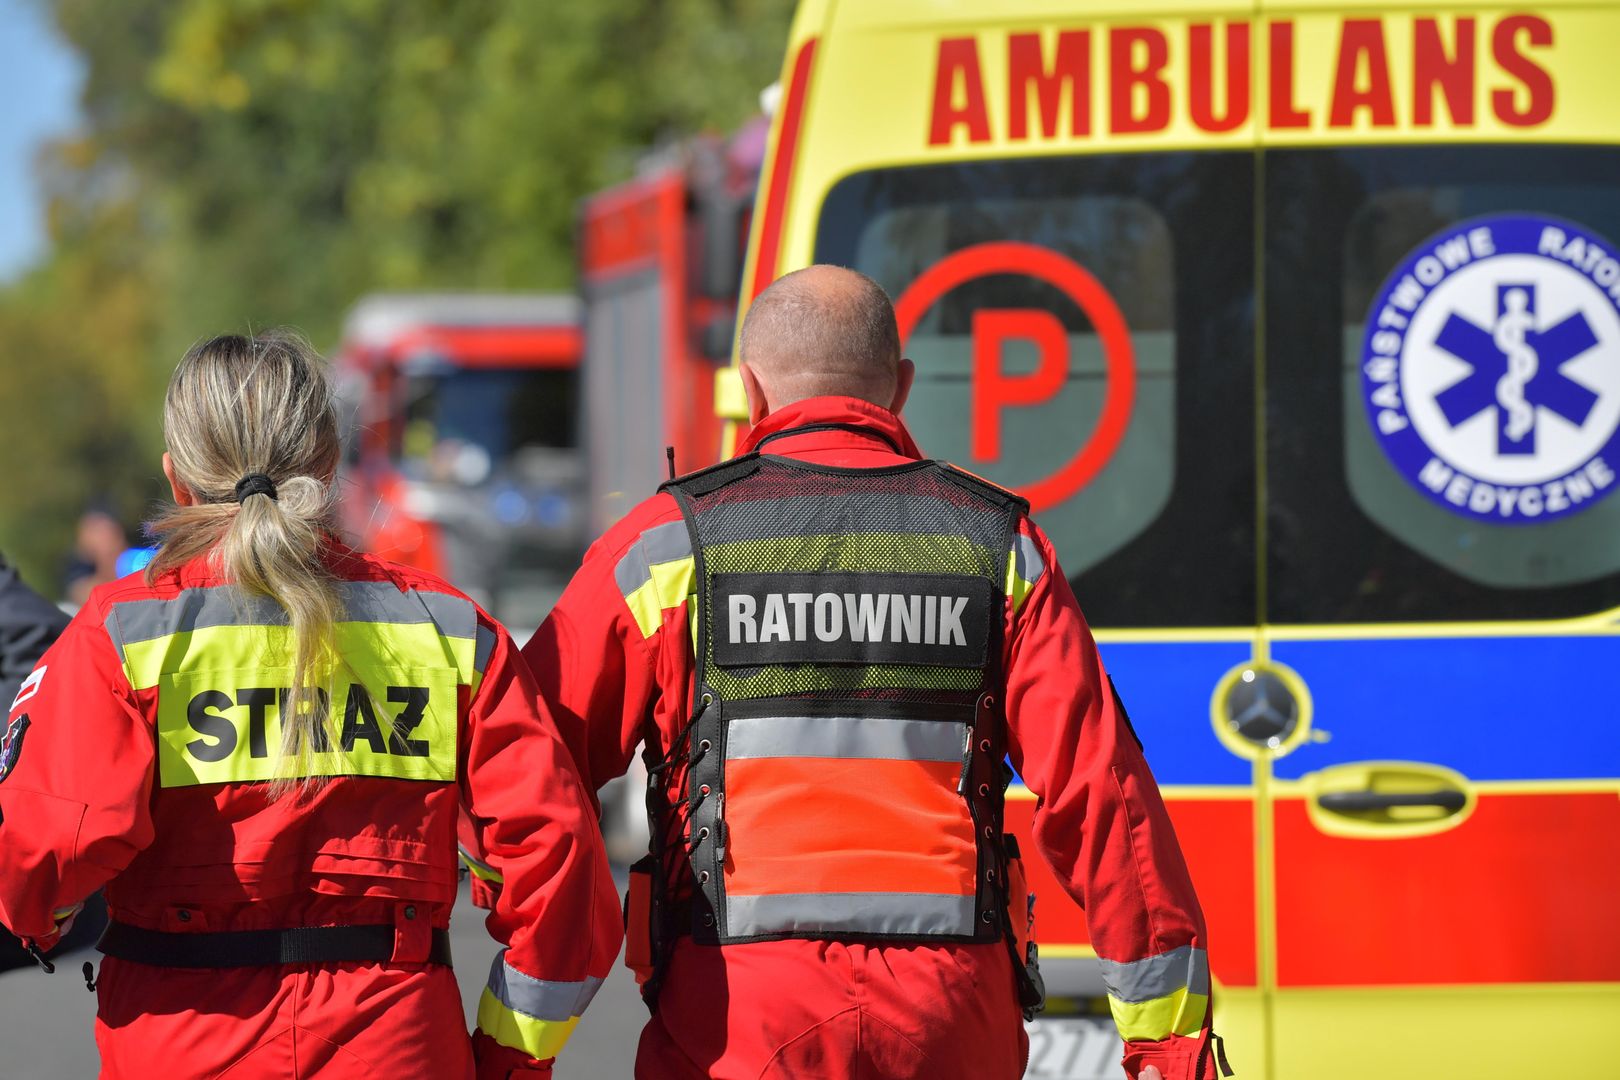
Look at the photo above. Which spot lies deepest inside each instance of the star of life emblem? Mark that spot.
(1490, 368)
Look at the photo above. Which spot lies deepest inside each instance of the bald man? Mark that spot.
(825, 648)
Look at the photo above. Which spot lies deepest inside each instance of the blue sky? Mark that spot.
(40, 78)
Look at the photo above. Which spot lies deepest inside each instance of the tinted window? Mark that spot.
(1020, 360)
(493, 412)
(1351, 537)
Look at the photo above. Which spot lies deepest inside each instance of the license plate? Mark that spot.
(1074, 1048)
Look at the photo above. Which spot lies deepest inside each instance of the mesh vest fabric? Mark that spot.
(845, 752)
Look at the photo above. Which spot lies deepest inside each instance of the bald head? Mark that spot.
(823, 330)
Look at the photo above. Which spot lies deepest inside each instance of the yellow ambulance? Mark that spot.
(1299, 325)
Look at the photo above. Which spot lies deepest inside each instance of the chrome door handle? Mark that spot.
(1387, 799)
(1352, 801)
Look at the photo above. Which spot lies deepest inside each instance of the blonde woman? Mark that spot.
(259, 747)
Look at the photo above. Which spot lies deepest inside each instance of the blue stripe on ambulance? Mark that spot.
(1492, 708)
(1166, 687)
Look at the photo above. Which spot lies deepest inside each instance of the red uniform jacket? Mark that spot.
(614, 661)
(129, 764)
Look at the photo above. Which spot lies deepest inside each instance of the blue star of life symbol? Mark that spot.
(1516, 369)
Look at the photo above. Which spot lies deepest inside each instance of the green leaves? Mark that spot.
(257, 162)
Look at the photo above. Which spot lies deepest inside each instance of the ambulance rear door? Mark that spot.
(1442, 573)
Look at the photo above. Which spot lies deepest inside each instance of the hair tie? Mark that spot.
(255, 483)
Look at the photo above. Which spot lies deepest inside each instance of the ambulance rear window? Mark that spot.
(1082, 329)
(1411, 497)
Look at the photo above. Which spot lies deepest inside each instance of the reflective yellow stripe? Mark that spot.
(221, 696)
(478, 868)
(668, 587)
(226, 727)
(1017, 588)
(1024, 568)
(538, 1038)
(1180, 1013)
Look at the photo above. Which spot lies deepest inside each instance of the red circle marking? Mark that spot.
(1007, 257)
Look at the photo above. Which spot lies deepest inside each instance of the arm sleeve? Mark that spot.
(593, 665)
(76, 763)
(596, 661)
(558, 915)
(1102, 826)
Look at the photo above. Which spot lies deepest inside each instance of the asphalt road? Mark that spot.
(46, 1020)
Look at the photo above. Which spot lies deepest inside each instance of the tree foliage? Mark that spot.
(259, 162)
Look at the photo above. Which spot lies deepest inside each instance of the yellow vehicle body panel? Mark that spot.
(911, 83)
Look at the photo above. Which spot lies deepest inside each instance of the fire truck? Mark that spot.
(1299, 326)
(463, 455)
(660, 273)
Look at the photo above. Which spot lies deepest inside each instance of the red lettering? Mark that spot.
(1125, 77)
(1201, 76)
(993, 390)
(1282, 112)
(1431, 68)
(1538, 84)
(1026, 69)
(958, 61)
(1362, 39)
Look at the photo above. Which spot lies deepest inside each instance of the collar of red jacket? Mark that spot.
(345, 563)
(845, 411)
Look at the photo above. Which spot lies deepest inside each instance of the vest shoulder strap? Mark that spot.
(713, 478)
(995, 493)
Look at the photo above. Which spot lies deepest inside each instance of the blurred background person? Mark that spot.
(99, 541)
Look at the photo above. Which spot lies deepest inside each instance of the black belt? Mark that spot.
(249, 948)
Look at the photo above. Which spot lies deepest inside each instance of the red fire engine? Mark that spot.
(660, 272)
(464, 458)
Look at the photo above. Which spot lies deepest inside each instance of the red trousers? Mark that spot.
(796, 1009)
(328, 1021)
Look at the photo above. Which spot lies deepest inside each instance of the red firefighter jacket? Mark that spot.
(615, 662)
(132, 752)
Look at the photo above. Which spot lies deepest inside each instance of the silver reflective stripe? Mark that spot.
(1027, 559)
(225, 605)
(484, 647)
(1185, 968)
(193, 609)
(453, 615)
(845, 737)
(659, 544)
(539, 998)
(858, 913)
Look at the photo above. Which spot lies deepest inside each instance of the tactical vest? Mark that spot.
(846, 744)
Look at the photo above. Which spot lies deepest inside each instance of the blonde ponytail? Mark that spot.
(261, 407)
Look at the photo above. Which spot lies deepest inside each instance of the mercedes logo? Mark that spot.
(1261, 709)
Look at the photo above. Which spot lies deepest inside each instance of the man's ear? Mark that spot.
(902, 385)
(758, 407)
(182, 494)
